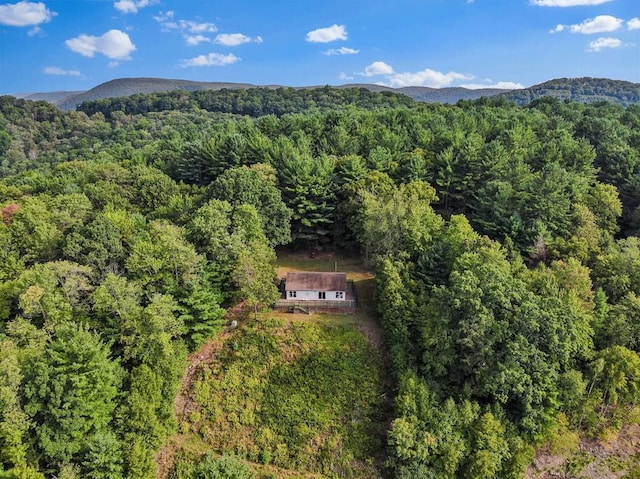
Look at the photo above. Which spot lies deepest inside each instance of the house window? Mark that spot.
(322, 295)
(339, 294)
(292, 294)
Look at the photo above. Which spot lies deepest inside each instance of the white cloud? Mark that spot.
(634, 24)
(113, 64)
(426, 77)
(196, 39)
(196, 27)
(599, 24)
(212, 59)
(567, 3)
(344, 76)
(604, 42)
(377, 68)
(164, 16)
(328, 34)
(114, 44)
(192, 31)
(235, 39)
(505, 85)
(132, 6)
(35, 31)
(341, 51)
(23, 14)
(60, 71)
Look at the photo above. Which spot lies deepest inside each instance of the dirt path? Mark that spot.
(184, 403)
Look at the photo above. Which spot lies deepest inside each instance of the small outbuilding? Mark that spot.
(312, 286)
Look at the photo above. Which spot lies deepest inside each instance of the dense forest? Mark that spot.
(252, 102)
(504, 240)
(584, 90)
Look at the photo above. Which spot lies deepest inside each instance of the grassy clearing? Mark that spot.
(295, 395)
(323, 261)
(360, 274)
(298, 396)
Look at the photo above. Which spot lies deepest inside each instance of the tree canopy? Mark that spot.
(504, 241)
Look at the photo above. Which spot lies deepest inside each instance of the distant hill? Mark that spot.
(131, 86)
(583, 90)
(254, 102)
(433, 95)
(447, 95)
(54, 97)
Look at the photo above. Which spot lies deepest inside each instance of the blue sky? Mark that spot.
(77, 44)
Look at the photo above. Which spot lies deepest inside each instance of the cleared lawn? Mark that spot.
(323, 261)
(363, 280)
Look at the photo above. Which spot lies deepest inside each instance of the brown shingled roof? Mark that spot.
(316, 282)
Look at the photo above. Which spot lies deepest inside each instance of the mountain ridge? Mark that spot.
(131, 86)
(584, 89)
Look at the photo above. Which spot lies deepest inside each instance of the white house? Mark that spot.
(316, 286)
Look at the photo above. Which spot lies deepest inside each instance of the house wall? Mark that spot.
(313, 295)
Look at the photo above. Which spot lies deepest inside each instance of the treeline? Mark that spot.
(505, 241)
(252, 102)
(109, 274)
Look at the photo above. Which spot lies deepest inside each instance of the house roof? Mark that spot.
(316, 281)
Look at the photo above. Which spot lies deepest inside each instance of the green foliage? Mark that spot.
(96, 300)
(396, 302)
(300, 396)
(307, 189)
(507, 276)
(447, 440)
(204, 315)
(103, 459)
(223, 467)
(404, 221)
(619, 375)
(256, 186)
(255, 276)
(14, 423)
(578, 89)
(253, 101)
(71, 393)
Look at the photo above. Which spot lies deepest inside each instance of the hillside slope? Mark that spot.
(131, 86)
(583, 90)
(54, 97)
(447, 95)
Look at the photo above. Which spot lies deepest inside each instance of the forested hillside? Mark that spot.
(159, 94)
(121, 87)
(132, 86)
(253, 102)
(584, 90)
(505, 241)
